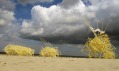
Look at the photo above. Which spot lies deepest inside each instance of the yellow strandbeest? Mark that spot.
(48, 50)
(12, 49)
(99, 46)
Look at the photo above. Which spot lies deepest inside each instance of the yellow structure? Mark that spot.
(12, 49)
(48, 50)
(99, 46)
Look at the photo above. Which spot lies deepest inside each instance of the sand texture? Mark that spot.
(35, 63)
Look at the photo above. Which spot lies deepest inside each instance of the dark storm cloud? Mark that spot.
(74, 38)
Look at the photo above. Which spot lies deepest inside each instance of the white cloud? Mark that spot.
(68, 3)
(91, 2)
(6, 17)
(8, 25)
(55, 20)
(24, 2)
(60, 22)
(6, 12)
(95, 1)
(7, 5)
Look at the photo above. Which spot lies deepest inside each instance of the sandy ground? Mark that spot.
(21, 63)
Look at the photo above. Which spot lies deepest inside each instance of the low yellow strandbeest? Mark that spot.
(48, 50)
(12, 49)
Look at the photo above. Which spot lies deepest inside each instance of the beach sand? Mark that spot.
(35, 63)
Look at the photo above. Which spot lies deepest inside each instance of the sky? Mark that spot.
(60, 22)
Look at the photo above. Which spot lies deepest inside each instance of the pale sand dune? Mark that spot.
(20, 63)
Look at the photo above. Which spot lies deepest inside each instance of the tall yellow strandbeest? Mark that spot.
(99, 46)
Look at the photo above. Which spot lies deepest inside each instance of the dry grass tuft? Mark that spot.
(12, 49)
